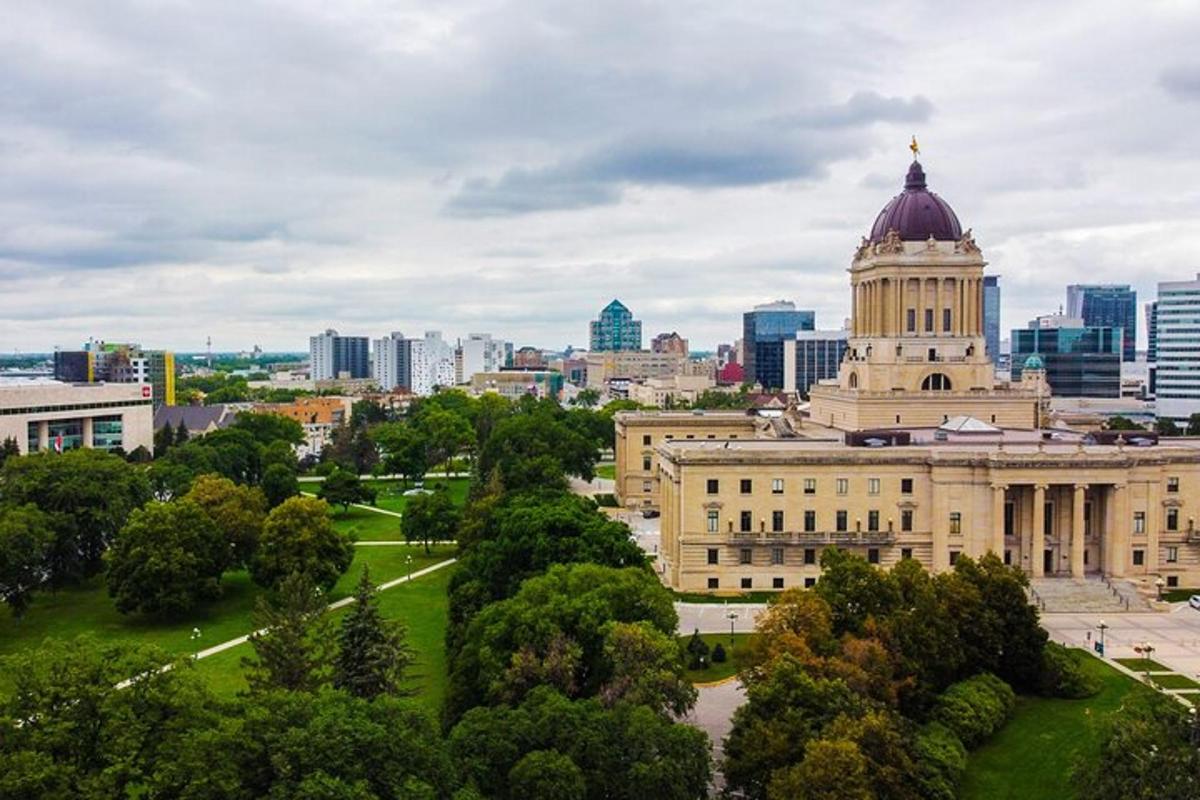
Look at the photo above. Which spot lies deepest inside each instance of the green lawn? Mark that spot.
(1179, 595)
(390, 494)
(743, 597)
(1032, 757)
(421, 605)
(1142, 664)
(89, 609)
(1175, 682)
(608, 471)
(366, 525)
(717, 671)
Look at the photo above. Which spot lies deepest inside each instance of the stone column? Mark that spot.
(1037, 545)
(1153, 525)
(1117, 536)
(43, 442)
(920, 305)
(1077, 530)
(854, 311)
(89, 432)
(998, 519)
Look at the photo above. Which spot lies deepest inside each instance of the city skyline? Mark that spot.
(283, 176)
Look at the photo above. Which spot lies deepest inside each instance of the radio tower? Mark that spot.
(209, 343)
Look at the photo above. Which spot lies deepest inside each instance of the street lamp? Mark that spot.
(732, 615)
(1159, 583)
(1102, 627)
(195, 637)
(408, 563)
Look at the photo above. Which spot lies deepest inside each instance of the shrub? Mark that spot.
(1063, 675)
(718, 654)
(976, 708)
(606, 500)
(697, 651)
(941, 762)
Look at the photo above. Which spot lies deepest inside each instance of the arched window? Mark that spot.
(853, 380)
(936, 382)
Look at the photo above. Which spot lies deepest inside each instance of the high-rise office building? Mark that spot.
(669, 343)
(812, 356)
(615, 330)
(123, 362)
(1107, 306)
(1080, 361)
(440, 354)
(1151, 331)
(764, 330)
(479, 352)
(1177, 355)
(991, 316)
(332, 356)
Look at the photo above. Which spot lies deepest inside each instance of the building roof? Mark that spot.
(917, 213)
(965, 424)
(194, 418)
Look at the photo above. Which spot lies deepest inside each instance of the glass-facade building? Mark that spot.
(1107, 306)
(1176, 369)
(1080, 362)
(615, 330)
(764, 331)
(818, 354)
(991, 316)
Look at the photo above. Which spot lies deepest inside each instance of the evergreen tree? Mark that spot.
(8, 449)
(372, 653)
(181, 433)
(164, 438)
(289, 638)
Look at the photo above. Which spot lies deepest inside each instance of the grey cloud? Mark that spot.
(1182, 82)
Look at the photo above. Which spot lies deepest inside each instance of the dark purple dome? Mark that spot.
(917, 213)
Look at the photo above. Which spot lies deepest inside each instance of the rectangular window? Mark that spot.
(953, 557)
(745, 485)
(714, 485)
(777, 486)
(777, 521)
(810, 485)
(645, 463)
(810, 521)
(911, 320)
(714, 555)
(1048, 519)
(1139, 558)
(810, 582)
(714, 583)
(1172, 581)
(747, 521)
(872, 555)
(841, 521)
(955, 522)
(872, 485)
(1172, 519)
(1172, 555)
(810, 555)
(872, 520)
(906, 552)
(745, 556)
(647, 486)
(946, 320)
(1010, 518)
(1139, 522)
(776, 555)
(1008, 557)
(646, 439)
(929, 320)
(714, 521)
(747, 583)
(1173, 485)
(906, 520)
(906, 485)
(776, 583)
(843, 486)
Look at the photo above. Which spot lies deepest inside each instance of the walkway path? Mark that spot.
(376, 509)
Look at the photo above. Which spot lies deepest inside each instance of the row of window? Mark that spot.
(647, 439)
(746, 555)
(8, 412)
(841, 521)
(841, 486)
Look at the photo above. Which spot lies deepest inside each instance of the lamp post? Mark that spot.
(1159, 583)
(732, 615)
(1102, 628)
(408, 563)
(195, 637)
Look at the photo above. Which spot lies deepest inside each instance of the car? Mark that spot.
(1194, 601)
(649, 513)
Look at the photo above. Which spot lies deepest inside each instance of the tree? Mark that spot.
(832, 769)
(854, 589)
(267, 428)
(1167, 427)
(88, 494)
(344, 488)
(9, 449)
(181, 433)
(445, 433)
(645, 668)
(278, 484)
(547, 775)
(552, 632)
(1193, 426)
(299, 537)
(82, 735)
(164, 438)
(238, 511)
(430, 518)
(167, 558)
(353, 449)
(372, 653)
(139, 455)
(535, 448)
(26, 536)
(279, 453)
(289, 639)
(1119, 423)
(405, 450)
(588, 398)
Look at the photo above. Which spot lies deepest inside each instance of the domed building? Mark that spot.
(917, 354)
(915, 450)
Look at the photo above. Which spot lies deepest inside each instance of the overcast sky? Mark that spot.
(260, 171)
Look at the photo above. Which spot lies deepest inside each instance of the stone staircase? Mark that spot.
(1090, 595)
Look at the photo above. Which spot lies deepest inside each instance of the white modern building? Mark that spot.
(479, 352)
(62, 416)
(440, 354)
(334, 356)
(401, 363)
(1177, 356)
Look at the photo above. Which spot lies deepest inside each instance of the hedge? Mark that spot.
(976, 708)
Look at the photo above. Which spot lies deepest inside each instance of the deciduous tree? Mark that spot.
(430, 518)
(26, 536)
(298, 536)
(238, 511)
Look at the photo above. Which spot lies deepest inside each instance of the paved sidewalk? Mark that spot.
(1175, 635)
(376, 509)
(713, 617)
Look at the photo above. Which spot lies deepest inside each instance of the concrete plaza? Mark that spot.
(1174, 635)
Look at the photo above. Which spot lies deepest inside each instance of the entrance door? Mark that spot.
(1048, 562)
